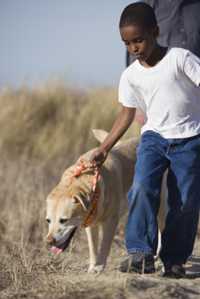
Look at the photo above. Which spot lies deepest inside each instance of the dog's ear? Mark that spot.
(101, 135)
(83, 201)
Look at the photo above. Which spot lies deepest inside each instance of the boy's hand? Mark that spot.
(121, 124)
(98, 157)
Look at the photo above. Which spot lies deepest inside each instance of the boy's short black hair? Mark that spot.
(140, 14)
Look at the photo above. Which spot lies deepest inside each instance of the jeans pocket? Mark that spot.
(193, 143)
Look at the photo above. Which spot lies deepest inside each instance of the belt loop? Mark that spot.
(168, 148)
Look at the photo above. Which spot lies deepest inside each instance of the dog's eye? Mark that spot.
(63, 220)
(48, 220)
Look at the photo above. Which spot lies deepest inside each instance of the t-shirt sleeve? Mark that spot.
(126, 94)
(191, 67)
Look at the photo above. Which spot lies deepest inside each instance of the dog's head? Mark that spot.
(67, 206)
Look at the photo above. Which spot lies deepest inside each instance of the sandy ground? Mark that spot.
(26, 273)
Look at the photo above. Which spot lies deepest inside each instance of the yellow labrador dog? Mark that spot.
(74, 202)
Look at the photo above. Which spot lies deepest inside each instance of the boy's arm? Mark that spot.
(120, 126)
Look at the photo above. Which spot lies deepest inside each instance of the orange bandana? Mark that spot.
(95, 194)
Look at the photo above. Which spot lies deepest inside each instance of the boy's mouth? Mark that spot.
(139, 56)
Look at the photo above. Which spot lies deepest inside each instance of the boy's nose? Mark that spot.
(133, 50)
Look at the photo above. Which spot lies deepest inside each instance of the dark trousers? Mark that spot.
(155, 155)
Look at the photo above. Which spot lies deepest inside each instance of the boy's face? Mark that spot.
(139, 42)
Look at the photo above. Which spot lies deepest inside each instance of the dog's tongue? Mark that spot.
(60, 248)
(56, 250)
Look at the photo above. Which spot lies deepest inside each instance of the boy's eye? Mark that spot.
(139, 40)
(48, 220)
(136, 41)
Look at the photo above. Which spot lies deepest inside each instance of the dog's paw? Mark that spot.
(96, 269)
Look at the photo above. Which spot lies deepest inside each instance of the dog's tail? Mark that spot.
(101, 135)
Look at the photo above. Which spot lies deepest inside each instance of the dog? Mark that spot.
(74, 202)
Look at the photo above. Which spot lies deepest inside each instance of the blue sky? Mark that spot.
(76, 41)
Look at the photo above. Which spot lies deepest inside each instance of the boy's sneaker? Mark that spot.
(138, 262)
(173, 271)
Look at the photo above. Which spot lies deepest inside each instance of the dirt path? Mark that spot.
(42, 276)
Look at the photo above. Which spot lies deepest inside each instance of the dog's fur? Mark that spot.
(69, 202)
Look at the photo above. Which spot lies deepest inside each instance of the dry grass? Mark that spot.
(42, 132)
(52, 122)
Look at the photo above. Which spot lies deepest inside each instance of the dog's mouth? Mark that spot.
(61, 245)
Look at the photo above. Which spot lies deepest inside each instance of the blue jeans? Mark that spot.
(155, 155)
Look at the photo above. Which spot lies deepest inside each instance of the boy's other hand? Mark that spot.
(98, 156)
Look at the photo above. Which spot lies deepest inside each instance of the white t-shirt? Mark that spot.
(168, 93)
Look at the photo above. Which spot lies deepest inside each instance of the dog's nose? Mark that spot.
(50, 239)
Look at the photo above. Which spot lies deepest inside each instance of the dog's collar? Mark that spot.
(95, 194)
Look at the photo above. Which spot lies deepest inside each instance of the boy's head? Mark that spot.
(139, 29)
(140, 14)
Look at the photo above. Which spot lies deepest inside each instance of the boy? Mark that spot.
(179, 26)
(164, 84)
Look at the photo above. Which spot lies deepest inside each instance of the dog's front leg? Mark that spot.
(93, 238)
(108, 230)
